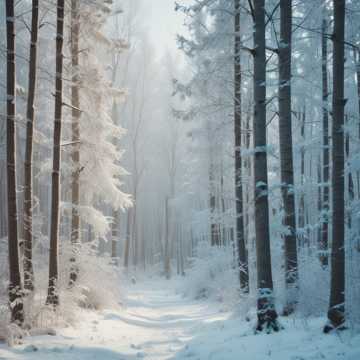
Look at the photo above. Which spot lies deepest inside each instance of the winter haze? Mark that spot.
(179, 179)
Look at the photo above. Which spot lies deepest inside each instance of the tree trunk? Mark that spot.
(53, 296)
(350, 182)
(75, 127)
(127, 240)
(167, 253)
(336, 313)
(286, 155)
(267, 316)
(30, 117)
(114, 235)
(357, 64)
(214, 226)
(15, 291)
(302, 174)
(240, 234)
(323, 245)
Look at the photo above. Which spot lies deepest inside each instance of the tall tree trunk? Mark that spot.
(323, 245)
(53, 296)
(286, 155)
(75, 127)
(336, 313)
(30, 116)
(15, 291)
(240, 234)
(267, 316)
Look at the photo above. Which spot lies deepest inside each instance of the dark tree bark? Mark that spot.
(350, 182)
(75, 102)
(286, 155)
(336, 313)
(323, 244)
(267, 316)
(15, 290)
(53, 296)
(30, 117)
(240, 234)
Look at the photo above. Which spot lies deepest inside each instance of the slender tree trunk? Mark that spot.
(350, 182)
(357, 64)
(240, 234)
(302, 176)
(286, 155)
(215, 228)
(267, 316)
(323, 245)
(134, 233)
(75, 127)
(114, 235)
(30, 117)
(127, 240)
(336, 313)
(167, 253)
(319, 196)
(15, 291)
(53, 296)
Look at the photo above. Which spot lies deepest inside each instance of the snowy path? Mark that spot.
(157, 323)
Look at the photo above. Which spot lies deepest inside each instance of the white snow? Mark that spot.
(158, 323)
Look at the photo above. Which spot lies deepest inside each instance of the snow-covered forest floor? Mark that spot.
(155, 321)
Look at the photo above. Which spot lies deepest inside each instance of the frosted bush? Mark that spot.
(98, 283)
(212, 275)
